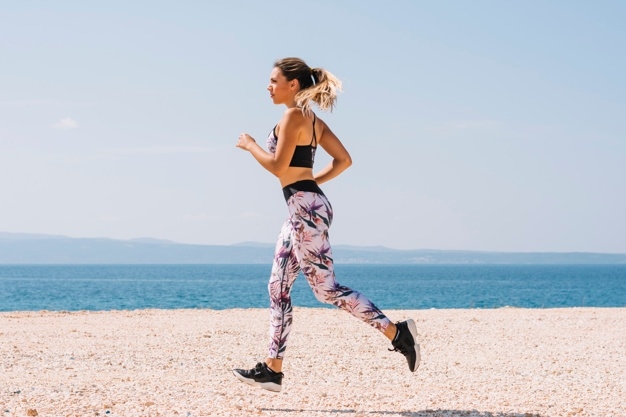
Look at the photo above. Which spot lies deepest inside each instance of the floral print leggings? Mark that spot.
(303, 246)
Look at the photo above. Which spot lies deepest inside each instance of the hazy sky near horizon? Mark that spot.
(482, 125)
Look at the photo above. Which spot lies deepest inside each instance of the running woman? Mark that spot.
(303, 240)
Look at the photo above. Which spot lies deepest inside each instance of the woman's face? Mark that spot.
(281, 90)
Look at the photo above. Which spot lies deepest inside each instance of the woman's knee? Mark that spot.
(325, 295)
(322, 297)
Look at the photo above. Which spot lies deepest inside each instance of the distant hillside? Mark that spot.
(17, 248)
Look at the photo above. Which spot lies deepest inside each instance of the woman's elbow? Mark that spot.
(279, 171)
(346, 162)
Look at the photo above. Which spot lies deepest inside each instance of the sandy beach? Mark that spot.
(503, 362)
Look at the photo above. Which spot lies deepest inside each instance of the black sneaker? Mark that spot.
(261, 376)
(405, 342)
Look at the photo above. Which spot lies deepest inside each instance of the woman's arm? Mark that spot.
(341, 158)
(277, 164)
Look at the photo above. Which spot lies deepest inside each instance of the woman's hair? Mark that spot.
(316, 84)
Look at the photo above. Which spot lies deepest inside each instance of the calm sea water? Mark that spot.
(129, 287)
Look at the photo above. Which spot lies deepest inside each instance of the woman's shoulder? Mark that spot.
(293, 113)
(294, 116)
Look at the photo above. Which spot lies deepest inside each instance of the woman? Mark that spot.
(303, 241)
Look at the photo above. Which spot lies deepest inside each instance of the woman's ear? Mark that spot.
(294, 84)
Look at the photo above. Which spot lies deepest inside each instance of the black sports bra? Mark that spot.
(303, 155)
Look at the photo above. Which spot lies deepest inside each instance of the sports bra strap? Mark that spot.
(314, 139)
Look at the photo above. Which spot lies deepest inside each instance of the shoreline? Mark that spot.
(505, 362)
(320, 307)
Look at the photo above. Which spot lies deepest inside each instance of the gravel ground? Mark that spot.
(504, 362)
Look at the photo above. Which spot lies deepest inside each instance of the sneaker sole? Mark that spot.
(413, 329)
(270, 386)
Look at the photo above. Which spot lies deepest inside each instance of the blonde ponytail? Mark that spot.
(316, 84)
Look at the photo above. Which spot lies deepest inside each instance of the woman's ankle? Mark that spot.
(274, 364)
(391, 331)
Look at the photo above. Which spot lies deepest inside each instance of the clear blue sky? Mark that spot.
(483, 125)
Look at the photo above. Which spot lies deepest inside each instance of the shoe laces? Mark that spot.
(401, 345)
(400, 349)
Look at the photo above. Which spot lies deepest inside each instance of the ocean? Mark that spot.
(130, 287)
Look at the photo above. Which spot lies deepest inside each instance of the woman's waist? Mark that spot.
(307, 185)
(296, 174)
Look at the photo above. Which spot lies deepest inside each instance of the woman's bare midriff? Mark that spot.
(295, 174)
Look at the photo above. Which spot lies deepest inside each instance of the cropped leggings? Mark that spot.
(303, 246)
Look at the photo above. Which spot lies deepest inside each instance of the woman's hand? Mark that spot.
(245, 142)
